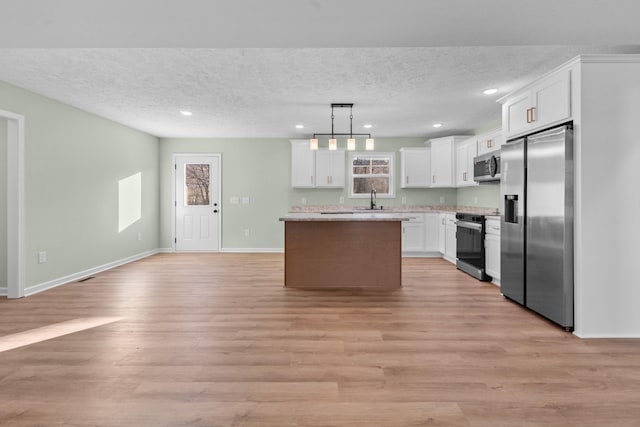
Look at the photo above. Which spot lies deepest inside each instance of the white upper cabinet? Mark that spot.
(415, 167)
(490, 141)
(330, 168)
(546, 102)
(466, 151)
(443, 160)
(303, 164)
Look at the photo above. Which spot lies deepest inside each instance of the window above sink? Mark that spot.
(369, 171)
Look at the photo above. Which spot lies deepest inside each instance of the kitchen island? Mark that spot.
(343, 250)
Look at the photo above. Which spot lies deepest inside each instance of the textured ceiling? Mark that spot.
(262, 70)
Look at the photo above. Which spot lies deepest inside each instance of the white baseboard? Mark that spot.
(3, 292)
(86, 273)
(253, 250)
(608, 336)
(421, 255)
(166, 251)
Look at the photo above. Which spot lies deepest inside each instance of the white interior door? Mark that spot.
(197, 202)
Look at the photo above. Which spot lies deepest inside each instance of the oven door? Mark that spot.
(469, 247)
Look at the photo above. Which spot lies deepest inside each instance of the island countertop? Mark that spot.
(345, 216)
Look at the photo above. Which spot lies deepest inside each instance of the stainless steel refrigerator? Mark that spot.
(537, 223)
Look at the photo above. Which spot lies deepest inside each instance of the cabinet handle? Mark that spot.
(490, 143)
(406, 179)
(464, 176)
(533, 111)
(433, 178)
(312, 179)
(528, 115)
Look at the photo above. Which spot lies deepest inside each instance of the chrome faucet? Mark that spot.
(373, 198)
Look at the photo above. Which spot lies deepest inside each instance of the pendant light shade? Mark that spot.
(333, 144)
(369, 144)
(313, 143)
(351, 144)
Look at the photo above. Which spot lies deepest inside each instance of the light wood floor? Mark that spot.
(215, 340)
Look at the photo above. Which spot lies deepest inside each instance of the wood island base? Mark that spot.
(343, 254)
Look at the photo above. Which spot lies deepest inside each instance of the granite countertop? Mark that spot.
(343, 216)
(394, 209)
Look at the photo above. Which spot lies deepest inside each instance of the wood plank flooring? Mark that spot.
(215, 340)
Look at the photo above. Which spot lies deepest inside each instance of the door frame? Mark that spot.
(15, 204)
(174, 159)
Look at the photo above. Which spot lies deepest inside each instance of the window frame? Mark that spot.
(391, 156)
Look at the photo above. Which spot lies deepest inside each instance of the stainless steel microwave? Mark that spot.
(487, 167)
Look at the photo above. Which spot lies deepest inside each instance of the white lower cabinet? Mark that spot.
(413, 235)
(431, 232)
(450, 238)
(492, 249)
(447, 236)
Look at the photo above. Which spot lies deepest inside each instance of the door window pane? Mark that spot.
(197, 180)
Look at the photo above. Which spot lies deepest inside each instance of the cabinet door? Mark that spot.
(465, 153)
(412, 236)
(432, 232)
(415, 165)
(462, 169)
(330, 167)
(303, 164)
(552, 99)
(515, 113)
(489, 142)
(442, 235)
(450, 244)
(492, 255)
(442, 160)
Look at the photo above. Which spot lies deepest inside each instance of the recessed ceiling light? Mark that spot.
(490, 91)
(186, 113)
(368, 126)
(437, 125)
(299, 126)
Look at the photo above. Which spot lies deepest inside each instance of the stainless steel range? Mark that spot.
(470, 245)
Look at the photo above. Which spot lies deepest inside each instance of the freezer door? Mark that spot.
(549, 236)
(512, 191)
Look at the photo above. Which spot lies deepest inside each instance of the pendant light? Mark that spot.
(369, 144)
(333, 141)
(351, 142)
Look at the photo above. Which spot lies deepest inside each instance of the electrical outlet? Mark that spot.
(304, 200)
(342, 200)
(404, 200)
(442, 200)
(139, 237)
(42, 257)
(247, 232)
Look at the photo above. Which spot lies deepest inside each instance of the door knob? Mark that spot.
(215, 211)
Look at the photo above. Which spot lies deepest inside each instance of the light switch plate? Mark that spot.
(234, 200)
(42, 257)
(246, 200)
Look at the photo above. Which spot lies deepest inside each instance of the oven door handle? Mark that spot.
(470, 225)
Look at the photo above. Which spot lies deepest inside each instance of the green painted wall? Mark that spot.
(485, 195)
(3, 206)
(73, 162)
(261, 170)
